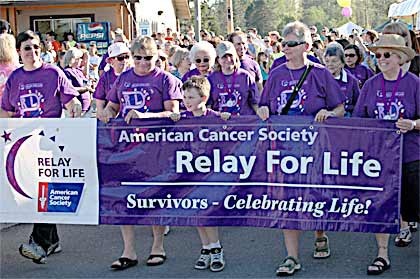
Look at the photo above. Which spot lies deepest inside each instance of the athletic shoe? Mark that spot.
(34, 252)
(404, 238)
(54, 249)
(203, 261)
(413, 226)
(217, 262)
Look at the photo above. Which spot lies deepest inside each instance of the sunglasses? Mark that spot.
(122, 58)
(205, 60)
(386, 55)
(163, 58)
(139, 57)
(350, 55)
(28, 48)
(292, 43)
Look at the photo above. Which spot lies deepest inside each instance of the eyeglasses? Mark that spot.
(350, 55)
(28, 48)
(139, 57)
(204, 60)
(122, 58)
(292, 43)
(386, 55)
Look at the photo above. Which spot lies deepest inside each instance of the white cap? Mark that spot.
(116, 49)
(118, 31)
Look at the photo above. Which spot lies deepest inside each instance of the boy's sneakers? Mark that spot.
(203, 261)
(404, 238)
(413, 226)
(36, 253)
(217, 262)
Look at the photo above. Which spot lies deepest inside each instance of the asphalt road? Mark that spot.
(250, 253)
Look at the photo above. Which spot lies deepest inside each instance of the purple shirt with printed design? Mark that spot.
(319, 91)
(237, 101)
(105, 84)
(361, 72)
(38, 93)
(405, 103)
(144, 93)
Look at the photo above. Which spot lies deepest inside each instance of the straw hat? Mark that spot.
(396, 43)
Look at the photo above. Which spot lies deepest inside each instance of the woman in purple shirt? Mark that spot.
(143, 91)
(203, 56)
(353, 59)
(319, 96)
(32, 91)
(395, 95)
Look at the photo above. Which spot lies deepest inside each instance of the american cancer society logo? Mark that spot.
(59, 197)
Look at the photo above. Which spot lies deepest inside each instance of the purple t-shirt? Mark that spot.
(282, 60)
(78, 79)
(349, 86)
(38, 93)
(105, 84)
(361, 72)
(252, 68)
(207, 113)
(190, 73)
(405, 103)
(103, 63)
(235, 93)
(319, 91)
(144, 93)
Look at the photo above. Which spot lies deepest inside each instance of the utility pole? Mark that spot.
(197, 20)
(229, 12)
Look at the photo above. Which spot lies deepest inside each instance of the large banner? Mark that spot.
(48, 171)
(287, 172)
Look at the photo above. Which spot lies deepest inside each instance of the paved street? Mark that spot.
(250, 252)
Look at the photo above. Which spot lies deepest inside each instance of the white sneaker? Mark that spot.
(34, 252)
(217, 261)
(54, 249)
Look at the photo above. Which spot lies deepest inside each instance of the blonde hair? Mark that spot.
(8, 53)
(146, 44)
(179, 55)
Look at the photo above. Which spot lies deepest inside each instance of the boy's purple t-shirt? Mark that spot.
(405, 103)
(144, 93)
(190, 73)
(282, 59)
(105, 84)
(78, 79)
(208, 113)
(349, 86)
(319, 91)
(252, 68)
(361, 72)
(237, 101)
(38, 93)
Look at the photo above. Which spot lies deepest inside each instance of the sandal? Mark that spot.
(380, 264)
(288, 267)
(123, 263)
(413, 226)
(322, 248)
(154, 256)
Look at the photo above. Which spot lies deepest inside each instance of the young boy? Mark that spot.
(196, 93)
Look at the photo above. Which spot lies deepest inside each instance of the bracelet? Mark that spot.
(413, 124)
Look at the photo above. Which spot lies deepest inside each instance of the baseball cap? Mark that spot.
(116, 49)
(225, 47)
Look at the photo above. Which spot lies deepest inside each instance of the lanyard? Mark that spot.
(229, 90)
(387, 101)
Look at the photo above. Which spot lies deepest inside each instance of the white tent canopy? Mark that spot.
(347, 28)
(408, 8)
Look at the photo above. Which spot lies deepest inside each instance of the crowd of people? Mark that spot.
(299, 72)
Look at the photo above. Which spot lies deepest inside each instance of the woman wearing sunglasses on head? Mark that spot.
(319, 96)
(119, 60)
(38, 90)
(203, 56)
(143, 91)
(395, 95)
(354, 58)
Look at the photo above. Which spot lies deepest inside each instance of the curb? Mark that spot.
(4, 226)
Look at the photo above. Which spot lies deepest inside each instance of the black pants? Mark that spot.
(44, 235)
(410, 196)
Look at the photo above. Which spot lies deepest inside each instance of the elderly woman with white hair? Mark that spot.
(349, 85)
(203, 56)
(317, 96)
(394, 95)
(72, 60)
(181, 62)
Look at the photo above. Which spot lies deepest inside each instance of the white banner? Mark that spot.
(48, 171)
